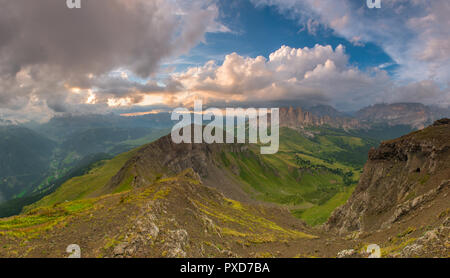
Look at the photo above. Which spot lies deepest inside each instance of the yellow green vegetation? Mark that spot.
(406, 232)
(111, 243)
(36, 221)
(444, 213)
(187, 175)
(240, 221)
(399, 242)
(392, 249)
(319, 214)
(161, 194)
(124, 185)
(151, 192)
(235, 204)
(316, 173)
(85, 186)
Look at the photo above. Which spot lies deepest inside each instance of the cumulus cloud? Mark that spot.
(416, 34)
(298, 76)
(303, 76)
(46, 48)
(106, 56)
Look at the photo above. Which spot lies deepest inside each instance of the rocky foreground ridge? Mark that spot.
(405, 186)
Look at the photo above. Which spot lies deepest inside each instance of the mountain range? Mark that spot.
(324, 193)
(199, 200)
(414, 115)
(60, 144)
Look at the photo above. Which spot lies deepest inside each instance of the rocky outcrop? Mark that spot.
(434, 241)
(297, 118)
(412, 114)
(400, 177)
(406, 207)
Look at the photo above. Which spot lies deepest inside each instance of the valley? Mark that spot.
(42, 157)
(227, 200)
(245, 130)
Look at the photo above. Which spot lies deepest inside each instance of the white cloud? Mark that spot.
(115, 62)
(304, 75)
(289, 76)
(46, 49)
(416, 34)
(425, 91)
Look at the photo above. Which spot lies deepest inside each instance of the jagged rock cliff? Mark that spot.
(404, 179)
(415, 115)
(297, 118)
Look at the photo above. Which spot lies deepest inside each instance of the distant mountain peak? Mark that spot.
(415, 115)
(323, 116)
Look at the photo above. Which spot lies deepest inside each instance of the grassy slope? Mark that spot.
(24, 160)
(84, 186)
(101, 223)
(319, 214)
(314, 191)
(307, 191)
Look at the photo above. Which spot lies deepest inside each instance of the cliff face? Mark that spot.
(413, 114)
(404, 179)
(296, 118)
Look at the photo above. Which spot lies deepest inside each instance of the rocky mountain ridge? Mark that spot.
(297, 118)
(405, 186)
(164, 158)
(414, 115)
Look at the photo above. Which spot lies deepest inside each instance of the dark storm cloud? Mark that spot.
(46, 47)
(101, 35)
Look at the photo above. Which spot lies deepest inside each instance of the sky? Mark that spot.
(130, 56)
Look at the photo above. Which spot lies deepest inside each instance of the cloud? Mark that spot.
(416, 34)
(299, 76)
(290, 75)
(46, 49)
(426, 91)
(108, 55)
